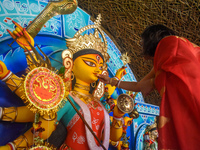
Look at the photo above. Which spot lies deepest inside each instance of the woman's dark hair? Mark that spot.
(151, 36)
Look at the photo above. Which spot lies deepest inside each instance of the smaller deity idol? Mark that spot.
(150, 137)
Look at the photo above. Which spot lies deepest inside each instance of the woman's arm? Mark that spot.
(144, 86)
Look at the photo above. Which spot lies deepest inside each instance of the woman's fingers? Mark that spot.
(103, 78)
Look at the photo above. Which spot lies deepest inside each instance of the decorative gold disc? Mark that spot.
(125, 103)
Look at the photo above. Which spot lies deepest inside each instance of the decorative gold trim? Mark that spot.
(87, 98)
(100, 88)
(49, 117)
(14, 83)
(19, 141)
(45, 146)
(36, 108)
(10, 110)
(83, 87)
(91, 41)
(117, 124)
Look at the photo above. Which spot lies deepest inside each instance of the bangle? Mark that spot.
(5, 115)
(12, 145)
(9, 73)
(113, 81)
(115, 144)
(117, 118)
(117, 122)
(118, 83)
(116, 78)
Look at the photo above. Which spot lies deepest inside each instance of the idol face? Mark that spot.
(155, 133)
(86, 67)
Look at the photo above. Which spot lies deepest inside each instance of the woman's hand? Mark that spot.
(104, 78)
(22, 37)
(119, 74)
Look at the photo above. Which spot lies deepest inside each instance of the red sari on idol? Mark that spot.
(78, 135)
(177, 69)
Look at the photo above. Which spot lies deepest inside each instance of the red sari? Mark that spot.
(79, 136)
(177, 69)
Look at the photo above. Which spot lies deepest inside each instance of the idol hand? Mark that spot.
(121, 72)
(22, 37)
(3, 70)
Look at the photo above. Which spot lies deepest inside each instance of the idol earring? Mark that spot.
(72, 76)
(93, 84)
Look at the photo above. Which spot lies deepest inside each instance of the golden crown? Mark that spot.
(91, 41)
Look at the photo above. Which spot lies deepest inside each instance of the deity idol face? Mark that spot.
(86, 67)
(155, 133)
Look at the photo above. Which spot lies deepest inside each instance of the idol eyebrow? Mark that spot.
(90, 58)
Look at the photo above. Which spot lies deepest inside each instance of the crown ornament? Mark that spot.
(153, 126)
(125, 59)
(91, 41)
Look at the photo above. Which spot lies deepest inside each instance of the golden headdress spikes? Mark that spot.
(91, 41)
(153, 126)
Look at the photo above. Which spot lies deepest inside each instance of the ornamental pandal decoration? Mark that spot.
(44, 90)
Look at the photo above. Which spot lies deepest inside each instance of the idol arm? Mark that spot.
(22, 114)
(116, 129)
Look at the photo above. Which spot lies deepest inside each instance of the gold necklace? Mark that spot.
(87, 98)
(83, 87)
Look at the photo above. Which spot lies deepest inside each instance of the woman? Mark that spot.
(84, 63)
(176, 76)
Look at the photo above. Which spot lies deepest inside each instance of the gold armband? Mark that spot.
(117, 122)
(50, 117)
(8, 114)
(20, 143)
(13, 82)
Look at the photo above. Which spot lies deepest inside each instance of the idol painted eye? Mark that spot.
(101, 68)
(89, 63)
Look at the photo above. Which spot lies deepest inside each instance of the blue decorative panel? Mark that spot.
(75, 21)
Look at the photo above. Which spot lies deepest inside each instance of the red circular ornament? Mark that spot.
(44, 88)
